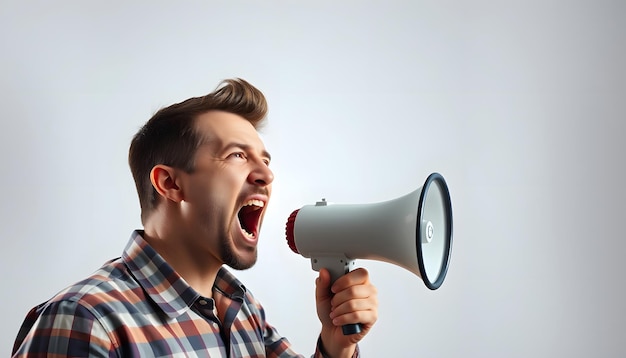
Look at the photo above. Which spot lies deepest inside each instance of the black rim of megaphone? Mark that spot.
(448, 207)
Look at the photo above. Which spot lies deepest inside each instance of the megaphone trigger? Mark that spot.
(337, 265)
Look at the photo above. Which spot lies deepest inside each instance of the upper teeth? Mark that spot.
(254, 202)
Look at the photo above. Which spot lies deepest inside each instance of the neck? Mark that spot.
(197, 267)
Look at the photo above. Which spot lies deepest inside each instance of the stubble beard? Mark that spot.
(231, 259)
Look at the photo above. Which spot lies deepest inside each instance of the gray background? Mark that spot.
(519, 104)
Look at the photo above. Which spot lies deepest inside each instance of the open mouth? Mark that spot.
(249, 217)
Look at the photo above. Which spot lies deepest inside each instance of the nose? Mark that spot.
(261, 175)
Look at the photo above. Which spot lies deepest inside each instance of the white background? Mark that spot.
(519, 104)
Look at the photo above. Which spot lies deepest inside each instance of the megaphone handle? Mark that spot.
(337, 266)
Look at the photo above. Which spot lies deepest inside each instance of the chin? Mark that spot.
(240, 262)
(241, 266)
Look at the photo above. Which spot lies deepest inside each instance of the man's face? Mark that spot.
(226, 195)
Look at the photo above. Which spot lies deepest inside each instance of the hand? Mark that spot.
(351, 299)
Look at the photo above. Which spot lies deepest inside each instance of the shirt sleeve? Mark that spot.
(277, 346)
(321, 353)
(62, 328)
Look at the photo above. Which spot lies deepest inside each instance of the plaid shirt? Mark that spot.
(137, 305)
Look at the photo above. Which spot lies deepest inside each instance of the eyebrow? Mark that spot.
(247, 148)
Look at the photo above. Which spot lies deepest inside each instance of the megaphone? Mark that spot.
(413, 231)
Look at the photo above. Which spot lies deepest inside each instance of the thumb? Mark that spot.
(322, 286)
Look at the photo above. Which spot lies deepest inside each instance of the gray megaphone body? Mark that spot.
(413, 231)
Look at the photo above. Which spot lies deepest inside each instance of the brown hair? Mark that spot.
(170, 138)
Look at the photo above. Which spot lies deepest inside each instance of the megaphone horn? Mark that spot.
(413, 231)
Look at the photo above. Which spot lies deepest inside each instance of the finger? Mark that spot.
(356, 277)
(366, 316)
(355, 305)
(362, 291)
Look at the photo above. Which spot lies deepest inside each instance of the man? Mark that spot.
(203, 178)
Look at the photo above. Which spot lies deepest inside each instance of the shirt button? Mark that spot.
(202, 302)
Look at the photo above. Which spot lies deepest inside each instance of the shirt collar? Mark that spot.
(228, 285)
(163, 285)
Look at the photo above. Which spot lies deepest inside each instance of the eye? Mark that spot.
(237, 155)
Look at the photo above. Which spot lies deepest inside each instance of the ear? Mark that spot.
(164, 180)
